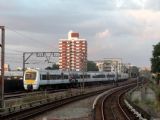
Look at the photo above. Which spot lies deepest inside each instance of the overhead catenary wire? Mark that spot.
(12, 53)
(28, 37)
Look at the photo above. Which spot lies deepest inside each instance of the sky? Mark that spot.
(125, 29)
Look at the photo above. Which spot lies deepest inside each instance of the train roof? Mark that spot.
(13, 73)
(73, 72)
(44, 71)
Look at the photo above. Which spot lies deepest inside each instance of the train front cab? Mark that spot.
(30, 80)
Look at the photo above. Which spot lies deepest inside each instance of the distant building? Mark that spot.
(73, 53)
(6, 67)
(110, 65)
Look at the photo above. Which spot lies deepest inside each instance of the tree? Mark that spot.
(54, 67)
(155, 61)
(48, 68)
(134, 71)
(91, 66)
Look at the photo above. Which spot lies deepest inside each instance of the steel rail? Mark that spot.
(107, 96)
(119, 104)
(43, 106)
(102, 104)
(52, 104)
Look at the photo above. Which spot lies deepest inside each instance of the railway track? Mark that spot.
(47, 105)
(37, 107)
(20, 94)
(111, 106)
(23, 94)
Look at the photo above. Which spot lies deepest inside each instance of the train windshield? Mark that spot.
(30, 76)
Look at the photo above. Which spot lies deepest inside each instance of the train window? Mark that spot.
(65, 76)
(99, 76)
(102, 76)
(94, 76)
(44, 77)
(119, 75)
(78, 76)
(58, 76)
(85, 76)
(88, 76)
(30, 76)
(55, 77)
(110, 76)
(52, 77)
(81, 76)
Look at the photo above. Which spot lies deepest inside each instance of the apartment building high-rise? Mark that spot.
(73, 53)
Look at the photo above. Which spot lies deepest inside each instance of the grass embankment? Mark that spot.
(156, 89)
(150, 105)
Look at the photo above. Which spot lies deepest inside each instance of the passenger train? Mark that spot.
(37, 79)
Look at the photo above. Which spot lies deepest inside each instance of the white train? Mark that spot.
(37, 79)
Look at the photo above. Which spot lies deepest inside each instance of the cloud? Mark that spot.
(103, 34)
(148, 22)
(137, 4)
(131, 25)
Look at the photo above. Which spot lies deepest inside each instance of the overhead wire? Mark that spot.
(13, 52)
(28, 37)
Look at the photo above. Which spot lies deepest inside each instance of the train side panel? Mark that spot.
(34, 79)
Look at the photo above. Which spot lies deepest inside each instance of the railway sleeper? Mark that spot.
(138, 115)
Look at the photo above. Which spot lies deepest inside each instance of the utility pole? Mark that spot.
(83, 69)
(23, 63)
(129, 70)
(116, 72)
(2, 45)
(83, 73)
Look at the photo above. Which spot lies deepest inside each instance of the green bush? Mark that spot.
(136, 101)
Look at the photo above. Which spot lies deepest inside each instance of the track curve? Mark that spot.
(110, 105)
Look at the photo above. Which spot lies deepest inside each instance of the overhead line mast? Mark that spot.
(2, 46)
